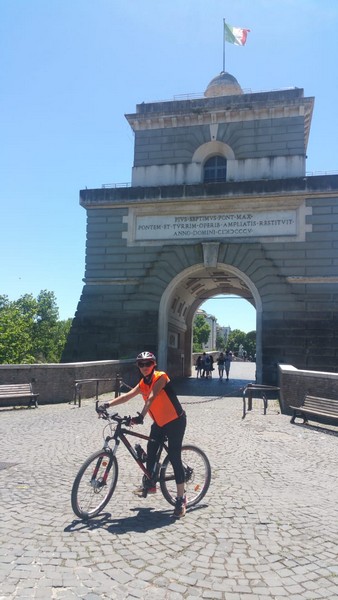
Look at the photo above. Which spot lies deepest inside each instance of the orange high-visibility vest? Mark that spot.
(166, 407)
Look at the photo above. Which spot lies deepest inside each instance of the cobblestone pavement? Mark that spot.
(267, 529)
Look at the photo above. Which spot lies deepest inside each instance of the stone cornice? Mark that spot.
(111, 280)
(216, 116)
(225, 109)
(311, 280)
(314, 186)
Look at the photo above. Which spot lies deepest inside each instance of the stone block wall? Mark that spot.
(251, 139)
(295, 383)
(295, 279)
(55, 382)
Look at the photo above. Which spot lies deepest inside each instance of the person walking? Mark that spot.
(203, 357)
(227, 363)
(220, 364)
(211, 365)
(207, 366)
(169, 419)
(198, 366)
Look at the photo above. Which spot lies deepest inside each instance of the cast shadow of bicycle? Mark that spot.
(145, 519)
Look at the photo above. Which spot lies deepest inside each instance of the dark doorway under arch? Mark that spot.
(184, 296)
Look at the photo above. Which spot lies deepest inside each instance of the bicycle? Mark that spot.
(96, 480)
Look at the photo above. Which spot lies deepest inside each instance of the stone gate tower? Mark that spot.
(219, 204)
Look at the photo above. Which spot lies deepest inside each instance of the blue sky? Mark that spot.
(71, 69)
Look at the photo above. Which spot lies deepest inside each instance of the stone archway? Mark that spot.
(156, 250)
(183, 296)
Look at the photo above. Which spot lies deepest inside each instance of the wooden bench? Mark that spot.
(314, 406)
(19, 392)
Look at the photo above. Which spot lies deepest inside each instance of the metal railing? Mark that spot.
(129, 184)
(116, 185)
(79, 383)
(318, 173)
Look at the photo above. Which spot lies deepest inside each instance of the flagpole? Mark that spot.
(223, 45)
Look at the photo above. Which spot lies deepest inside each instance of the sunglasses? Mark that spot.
(147, 363)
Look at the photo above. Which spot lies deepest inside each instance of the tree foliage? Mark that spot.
(30, 330)
(250, 343)
(220, 342)
(201, 332)
(235, 339)
(238, 338)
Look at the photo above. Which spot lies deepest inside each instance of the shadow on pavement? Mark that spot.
(326, 428)
(241, 373)
(191, 386)
(146, 519)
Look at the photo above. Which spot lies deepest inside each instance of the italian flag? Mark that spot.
(235, 35)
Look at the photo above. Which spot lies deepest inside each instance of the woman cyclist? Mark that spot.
(169, 419)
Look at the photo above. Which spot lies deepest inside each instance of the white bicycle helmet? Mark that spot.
(146, 356)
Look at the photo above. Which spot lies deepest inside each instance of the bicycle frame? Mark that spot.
(96, 479)
(120, 435)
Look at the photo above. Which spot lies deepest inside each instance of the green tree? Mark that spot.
(201, 332)
(15, 334)
(247, 340)
(250, 343)
(45, 327)
(220, 342)
(30, 331)
(235, 339)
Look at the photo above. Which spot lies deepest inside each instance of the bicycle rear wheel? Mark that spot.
(197, 476)
(94, 484)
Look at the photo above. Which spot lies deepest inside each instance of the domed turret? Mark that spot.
(223, 84)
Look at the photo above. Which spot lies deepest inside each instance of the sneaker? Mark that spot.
(180, 507)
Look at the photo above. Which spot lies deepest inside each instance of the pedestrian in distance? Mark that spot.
(203, 357)
(169, 419)
(220, 364)
(227, 363)
(198, 366)
(212, 365)
(207, 366)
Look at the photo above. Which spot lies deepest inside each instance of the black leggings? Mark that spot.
(174, 432)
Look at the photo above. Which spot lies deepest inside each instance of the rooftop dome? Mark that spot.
(223, 84)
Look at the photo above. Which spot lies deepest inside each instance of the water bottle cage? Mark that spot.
(141, 454)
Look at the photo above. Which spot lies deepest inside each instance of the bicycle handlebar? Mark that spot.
(103, 413)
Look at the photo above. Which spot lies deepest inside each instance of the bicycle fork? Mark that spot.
(101, 471)
(103, 465)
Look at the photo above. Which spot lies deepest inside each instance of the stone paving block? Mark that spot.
(260, 534)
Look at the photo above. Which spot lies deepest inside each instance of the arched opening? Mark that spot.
(227, 314)
(215, 161)
(183, 296)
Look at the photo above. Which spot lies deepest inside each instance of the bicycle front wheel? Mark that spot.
(197, 476)
(94, 484)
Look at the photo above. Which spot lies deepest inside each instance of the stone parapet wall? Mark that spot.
(295, 383)
(55, 382)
